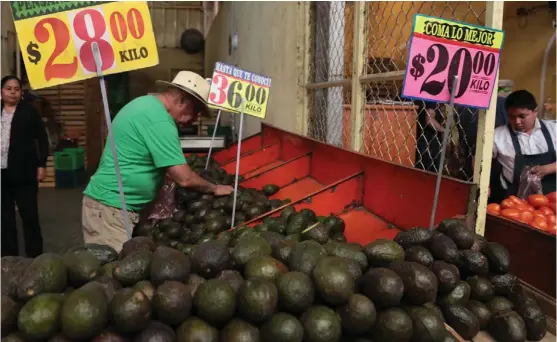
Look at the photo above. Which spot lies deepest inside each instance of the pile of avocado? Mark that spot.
(278, 282)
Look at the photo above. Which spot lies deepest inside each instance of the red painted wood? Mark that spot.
(282, 175)
(250, 144)
(254, 160)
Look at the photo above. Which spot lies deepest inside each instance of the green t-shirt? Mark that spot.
(147, 141)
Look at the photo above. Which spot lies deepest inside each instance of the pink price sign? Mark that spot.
(441, 49)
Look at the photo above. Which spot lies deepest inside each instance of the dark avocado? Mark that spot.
(498, 257)
(172, 302)
(210, 257)
(130, 310)
(282, 327)
(295, 291)
(458, 296)
(382, 252)
(427, 325)
(508, 327)
(481, 311)
(447, 274)
(238, 330)
(358, 315)
(413, 237)
(169, 264)
(383, 286)
(503, 284)
(393, 324)
(462, 320)
(444, 248)
(420, 255)
(420, 284)
(215, 301)
(333, 280)
(257, 299)
(321, 324)
(480, 288)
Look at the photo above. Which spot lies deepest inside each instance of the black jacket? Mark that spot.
(28, 144)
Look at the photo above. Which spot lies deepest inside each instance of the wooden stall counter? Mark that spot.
(389, 132)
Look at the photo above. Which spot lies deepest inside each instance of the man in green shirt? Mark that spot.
(148, 147)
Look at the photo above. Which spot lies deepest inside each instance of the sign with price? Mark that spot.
(440, 49)
(56, 38)
(231, 85)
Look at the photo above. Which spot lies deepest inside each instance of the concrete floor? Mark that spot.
(60, 216)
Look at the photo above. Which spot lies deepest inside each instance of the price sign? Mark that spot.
(56, 39)
(441, 49)
(231, 85)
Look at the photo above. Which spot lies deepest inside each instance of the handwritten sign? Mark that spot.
(441, 49)
(231, 85)
(56, 39)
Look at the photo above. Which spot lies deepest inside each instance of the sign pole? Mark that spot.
(98, 63)
(213, 139)
(238, 163)
(448, 125)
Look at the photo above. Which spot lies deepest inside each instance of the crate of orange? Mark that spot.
(527, 228)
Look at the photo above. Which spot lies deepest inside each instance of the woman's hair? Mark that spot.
(9, 78)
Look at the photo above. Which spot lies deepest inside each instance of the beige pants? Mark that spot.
(104, 225)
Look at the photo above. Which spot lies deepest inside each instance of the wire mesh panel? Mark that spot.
(411, 132)
(331, 45)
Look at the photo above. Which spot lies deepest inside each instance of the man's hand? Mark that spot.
(41, 174)
(542, 170)
(223, 190)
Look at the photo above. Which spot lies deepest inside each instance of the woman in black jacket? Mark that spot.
(24, 151)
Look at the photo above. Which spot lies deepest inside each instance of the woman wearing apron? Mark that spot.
(525, 141)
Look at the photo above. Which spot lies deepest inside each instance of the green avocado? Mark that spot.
(39, 318)
(134, 267)
(381, 252)
(257, 299)
(196, 330)
(210, 257)
(333, 280)
(462, 320)
(215, 301)
(169, 264)
(321, 324)
(282, 327)
(393, 324)
(172, 302)
(83, 266)
(296, 293)
(130, 310)
(46, 274)
(358, 315)
(383, 286)
(264, 267)
(85, 312)
(238, 330)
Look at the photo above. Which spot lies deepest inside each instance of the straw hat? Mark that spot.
(193, 84)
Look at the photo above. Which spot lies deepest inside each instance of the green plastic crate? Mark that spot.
(69, 159)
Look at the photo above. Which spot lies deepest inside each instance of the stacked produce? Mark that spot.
(537, 211)
(292, 278)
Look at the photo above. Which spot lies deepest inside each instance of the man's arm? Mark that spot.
(185, 177)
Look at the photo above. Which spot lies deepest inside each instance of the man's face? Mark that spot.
(522, 119)
(184, 111)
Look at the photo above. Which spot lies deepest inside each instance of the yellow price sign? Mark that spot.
(56, 39)
(230, 86)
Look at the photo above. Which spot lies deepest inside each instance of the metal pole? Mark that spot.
(448, 125)
(238, 163)
(98, 63)
(213, 139)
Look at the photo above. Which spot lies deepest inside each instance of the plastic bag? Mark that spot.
(530, 184)
(165, 204)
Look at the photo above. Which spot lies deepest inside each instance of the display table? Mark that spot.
(389, 132)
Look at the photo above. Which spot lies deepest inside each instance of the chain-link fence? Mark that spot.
(394, 129)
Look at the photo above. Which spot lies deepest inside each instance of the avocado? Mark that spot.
(393, 324)
(105, 254)
(146, 287)
(193, 283)
(264, 267)
(498, 257)
(448, 275)
(46, 274)
(444, 248)
(276, 203)
(446, 225)
(14, 337)
(481, 311)
(317, 232)
(413, 237)
(84, 312)
(169, 264)
(358, 315)
(109, 336)
(449, 337)
(296, 224)
(348, 251)
(224, 237)
(426, 325)
(503, 284)
(250, 247)
(337, 238)
(233, 278)
(206, 237)
(479, 243)
(39, 317)
(420, 255)
(458, 296)
(380, 253)
(499, 305)
(480, 288)
(321, 324)
(435, 309)
(333, 280)
(474, 263)
(305, 256)
(156, 331)
(62, 338)
(109, 285)
(286, 213)
(238, 330)
(462, 236)
(210, 257)
(173, 230)
(130, 310)
(295, 292)
(83, 266)
(273, 239)
(270, 189)
(10, 312)
(534, 318)
(108, 269)
(335, 224)
(383, 286)
(215, 301)
(257, 299)
(462, 320)
(135, 244)
(282, 327)
(172, 302)
(12, 276)
(134, 267)
(508, 327)
(420, 284)
(196, 330)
